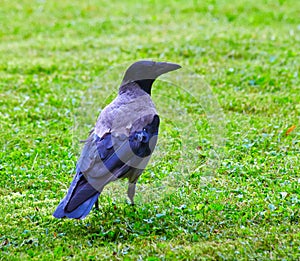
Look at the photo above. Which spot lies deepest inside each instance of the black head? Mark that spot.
(144, 73)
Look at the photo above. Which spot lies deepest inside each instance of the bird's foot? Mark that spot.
(97, 205)
(130, 203)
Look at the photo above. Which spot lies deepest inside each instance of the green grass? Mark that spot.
(56, 62)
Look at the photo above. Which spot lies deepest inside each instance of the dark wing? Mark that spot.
(104, 160)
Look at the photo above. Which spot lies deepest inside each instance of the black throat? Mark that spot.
(146, 85)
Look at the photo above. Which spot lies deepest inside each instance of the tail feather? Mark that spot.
(79, 200)
(80, 212)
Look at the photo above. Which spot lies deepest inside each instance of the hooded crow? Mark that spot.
(121, 143)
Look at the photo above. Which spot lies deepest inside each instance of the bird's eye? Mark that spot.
(144, 129)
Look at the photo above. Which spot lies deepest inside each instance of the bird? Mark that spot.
(120, 144)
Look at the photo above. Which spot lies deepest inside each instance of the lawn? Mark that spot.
(224, 181)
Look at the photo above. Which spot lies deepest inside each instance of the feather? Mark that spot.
(113, 158)
(120, 144)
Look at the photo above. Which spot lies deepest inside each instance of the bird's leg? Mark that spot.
(131, 192)
(97, 205)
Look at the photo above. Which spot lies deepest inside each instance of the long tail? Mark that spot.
(79, 200)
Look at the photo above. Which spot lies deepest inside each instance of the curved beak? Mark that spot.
(164, 67)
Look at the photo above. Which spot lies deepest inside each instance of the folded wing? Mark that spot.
(105, 159)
